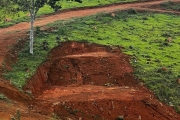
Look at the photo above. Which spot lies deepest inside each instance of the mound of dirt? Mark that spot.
(84, 81)
(74, 63)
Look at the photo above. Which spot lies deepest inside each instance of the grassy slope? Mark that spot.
(22, 16)
(171, 5)
(144, 36)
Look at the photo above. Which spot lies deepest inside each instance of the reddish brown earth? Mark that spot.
(80, 81)
(89, 81)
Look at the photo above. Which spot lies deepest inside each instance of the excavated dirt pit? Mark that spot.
(84, 81)
(79, 64)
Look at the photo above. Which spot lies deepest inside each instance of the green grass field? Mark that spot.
(151, 39)
(21, 16)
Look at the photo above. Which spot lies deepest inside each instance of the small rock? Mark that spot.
(30, 107)
(112, 14)
(169, 39)
(164, 69)
(141, 84)
(7, 20)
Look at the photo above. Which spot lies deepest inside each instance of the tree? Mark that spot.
(33, 6)
(4, 3)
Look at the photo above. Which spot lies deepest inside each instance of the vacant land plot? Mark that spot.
(151, 39)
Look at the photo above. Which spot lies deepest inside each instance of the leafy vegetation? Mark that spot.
(171, 5)
(10, 14)
(17, 116)
(4, 98)
(33, 7)
(54, 117)
(151, 39)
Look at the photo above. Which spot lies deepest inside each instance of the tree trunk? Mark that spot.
(31, 35)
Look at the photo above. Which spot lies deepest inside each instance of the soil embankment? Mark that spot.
(89, 81)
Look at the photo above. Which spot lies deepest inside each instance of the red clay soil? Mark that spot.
(80, 81)
(7, 110)
(88, 81)
(82, 64)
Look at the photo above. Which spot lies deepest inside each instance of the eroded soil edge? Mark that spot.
(89, 81)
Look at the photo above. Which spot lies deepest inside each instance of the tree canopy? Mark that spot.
(33, 6)
(37, 4)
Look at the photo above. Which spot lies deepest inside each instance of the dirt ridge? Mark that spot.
(108, 87)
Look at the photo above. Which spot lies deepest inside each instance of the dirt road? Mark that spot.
(78, 13)
(9, 35)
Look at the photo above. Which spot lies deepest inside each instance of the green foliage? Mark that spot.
(17, 116)
(54, 117)
(4, 3)
(17, 14)
(33, 6)
(171, 5)
(4, 98)
(152, 39)
(38, 30)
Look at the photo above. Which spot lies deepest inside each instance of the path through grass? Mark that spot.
(10, 12)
